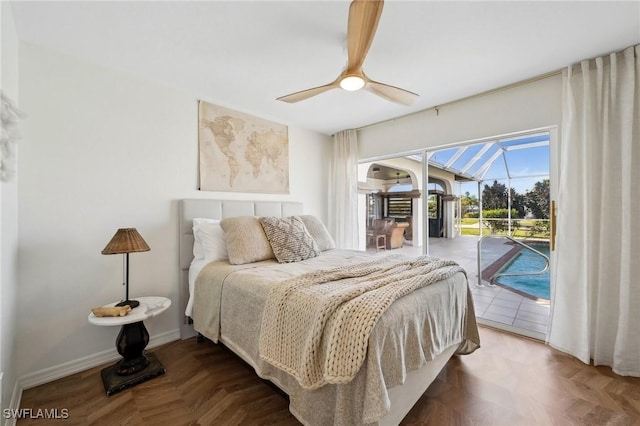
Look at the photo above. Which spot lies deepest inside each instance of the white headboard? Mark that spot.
(217, 209)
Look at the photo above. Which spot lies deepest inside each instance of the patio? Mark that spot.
(495, 306)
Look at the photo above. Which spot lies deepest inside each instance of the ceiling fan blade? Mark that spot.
(306, 94)
(391, 93)
(363, 22)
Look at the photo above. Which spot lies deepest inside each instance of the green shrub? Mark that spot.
(500, 214)
(495, 223)
(540, 228)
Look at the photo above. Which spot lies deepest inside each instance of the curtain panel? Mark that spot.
(596, 284)
(343, 190)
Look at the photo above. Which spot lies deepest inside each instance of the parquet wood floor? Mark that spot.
(509, 381)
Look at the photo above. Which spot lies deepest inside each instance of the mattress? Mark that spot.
(229, 302)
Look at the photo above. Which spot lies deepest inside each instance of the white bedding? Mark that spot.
(228, 305)
(194, 271)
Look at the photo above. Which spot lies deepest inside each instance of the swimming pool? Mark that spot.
(527, 261)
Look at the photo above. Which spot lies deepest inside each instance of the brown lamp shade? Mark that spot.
(126, 240)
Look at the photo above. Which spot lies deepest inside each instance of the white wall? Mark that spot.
(525, 107)
(414, 169)
(104, 150)
(530, 106)
(8, 219)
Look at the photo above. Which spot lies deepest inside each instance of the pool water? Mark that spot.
(527, 261)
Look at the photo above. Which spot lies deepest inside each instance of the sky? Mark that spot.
(526, 166)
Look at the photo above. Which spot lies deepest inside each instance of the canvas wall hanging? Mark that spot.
(241, 153)
(10, 117)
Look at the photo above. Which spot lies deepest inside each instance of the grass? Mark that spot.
(517, 233)
(474, 231)
(522, 231)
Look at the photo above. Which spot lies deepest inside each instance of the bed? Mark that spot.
(229, 303)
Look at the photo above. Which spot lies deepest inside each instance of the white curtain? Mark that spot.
(343, 190)
(596, 284)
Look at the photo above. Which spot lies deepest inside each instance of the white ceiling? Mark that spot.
(244, 55)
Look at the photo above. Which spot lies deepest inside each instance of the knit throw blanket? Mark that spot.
(316, 326)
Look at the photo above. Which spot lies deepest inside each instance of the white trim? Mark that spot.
(511, 329)
(71, 367)
(16, 396)
(81, 364)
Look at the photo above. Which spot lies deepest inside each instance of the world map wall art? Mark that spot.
(241, 153)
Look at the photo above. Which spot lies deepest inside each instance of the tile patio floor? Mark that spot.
(495, 306)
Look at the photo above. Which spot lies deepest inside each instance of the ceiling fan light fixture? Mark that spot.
(352, 83)
(361, 28)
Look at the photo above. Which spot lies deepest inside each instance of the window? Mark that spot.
(400, 206)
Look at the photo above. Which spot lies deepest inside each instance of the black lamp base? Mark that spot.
(132, 303)
(135, 366)
(114, 382)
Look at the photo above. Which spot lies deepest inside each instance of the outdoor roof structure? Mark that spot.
(519, 157)
(520, 160)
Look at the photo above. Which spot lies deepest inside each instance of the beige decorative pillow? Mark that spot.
(246, 240)
(289, 238)
(319, 232)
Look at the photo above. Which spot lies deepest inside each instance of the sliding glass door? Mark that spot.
(446, 200)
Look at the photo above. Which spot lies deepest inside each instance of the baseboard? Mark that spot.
(16, 396)
(68, 368)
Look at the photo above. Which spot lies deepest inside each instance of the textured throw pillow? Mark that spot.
(319, 232)
(246, 240)
(209, 236)
(289, 238)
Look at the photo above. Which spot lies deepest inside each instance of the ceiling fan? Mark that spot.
(363, 22)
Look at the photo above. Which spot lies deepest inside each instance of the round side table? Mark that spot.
(135, 366)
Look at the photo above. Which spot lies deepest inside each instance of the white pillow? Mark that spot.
(208, 240)
(198, 252)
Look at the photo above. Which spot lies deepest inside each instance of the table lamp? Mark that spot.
(125, 241)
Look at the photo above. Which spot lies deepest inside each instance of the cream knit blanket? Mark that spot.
(316, 326)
